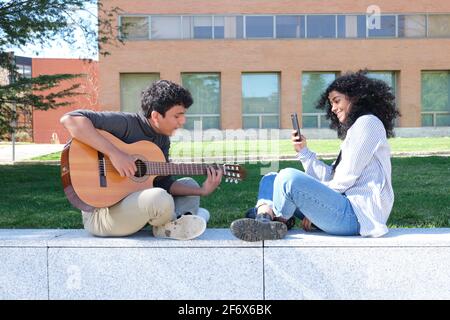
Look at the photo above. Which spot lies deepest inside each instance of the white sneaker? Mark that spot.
(202, 212)
(186, 227)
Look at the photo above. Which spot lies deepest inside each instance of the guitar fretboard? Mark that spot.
(167, 168)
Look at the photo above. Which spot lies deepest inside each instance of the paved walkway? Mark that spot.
(26, 151)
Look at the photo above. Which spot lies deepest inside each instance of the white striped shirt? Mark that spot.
(364, 174)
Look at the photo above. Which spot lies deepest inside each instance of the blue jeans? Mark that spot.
(295, 193)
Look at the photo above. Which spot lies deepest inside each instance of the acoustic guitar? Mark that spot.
(90, 181)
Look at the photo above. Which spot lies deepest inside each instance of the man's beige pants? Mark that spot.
(154, 206)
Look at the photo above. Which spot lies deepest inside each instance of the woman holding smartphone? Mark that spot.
(354, 195)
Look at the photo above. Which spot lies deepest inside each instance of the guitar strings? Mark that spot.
(106, 165)
(142, 164)
(165, 167)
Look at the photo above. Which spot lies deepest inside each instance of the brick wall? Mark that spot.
(46, 126)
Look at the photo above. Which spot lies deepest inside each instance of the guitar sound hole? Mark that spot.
(141, 169)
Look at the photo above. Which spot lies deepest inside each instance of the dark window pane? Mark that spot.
(321, 26)
(259, 27)
(309, 122)
(362, 25)
(250, 122)
(427, 120)
(386, 27)
(202, 33)
(289, 26)
(442, 120)
(211, 123)
(239, 27)
(270, 122)
(219, 33)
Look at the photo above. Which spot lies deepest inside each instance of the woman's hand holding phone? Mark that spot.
(298, 140)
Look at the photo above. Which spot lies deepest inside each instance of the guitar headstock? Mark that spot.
(233, 173)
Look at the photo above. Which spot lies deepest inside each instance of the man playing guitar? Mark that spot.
(171, 207)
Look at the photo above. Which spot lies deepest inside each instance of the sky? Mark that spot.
(58, 48)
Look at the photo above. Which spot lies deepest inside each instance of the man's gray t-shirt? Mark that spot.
(130, 128)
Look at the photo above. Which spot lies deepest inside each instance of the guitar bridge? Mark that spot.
(102, 169)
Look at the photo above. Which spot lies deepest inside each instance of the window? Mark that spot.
(260, 100)
(285, 26)
(239, 27)
(203, 27)
(166, 27)
(228, 27)
(219, 28)
(131, 86)
(435, 98)
(259, 27)
(410, 26)
(24, 71)
(313, 85)
(351, 26)
(205, 90)
(134, 28)
(290, 27)
(387, 27)
(439, 25)
(321, 26)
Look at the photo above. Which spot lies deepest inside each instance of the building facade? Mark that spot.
(249, 64)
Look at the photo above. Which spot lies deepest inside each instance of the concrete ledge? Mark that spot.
(404, 264)
(71, 264)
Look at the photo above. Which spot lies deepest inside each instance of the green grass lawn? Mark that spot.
(32, 197)
(284, 147)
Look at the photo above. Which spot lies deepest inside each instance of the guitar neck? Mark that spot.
(167, 168)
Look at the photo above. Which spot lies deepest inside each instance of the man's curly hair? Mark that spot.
(163, 95)
(368, 96)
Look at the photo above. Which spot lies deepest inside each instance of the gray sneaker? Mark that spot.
(186, 227)
(256, 230)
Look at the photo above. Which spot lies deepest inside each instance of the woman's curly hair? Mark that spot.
(368, 96)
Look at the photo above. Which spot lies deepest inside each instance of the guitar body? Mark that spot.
(87, 187)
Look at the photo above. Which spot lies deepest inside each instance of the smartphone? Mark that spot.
(295, 125)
